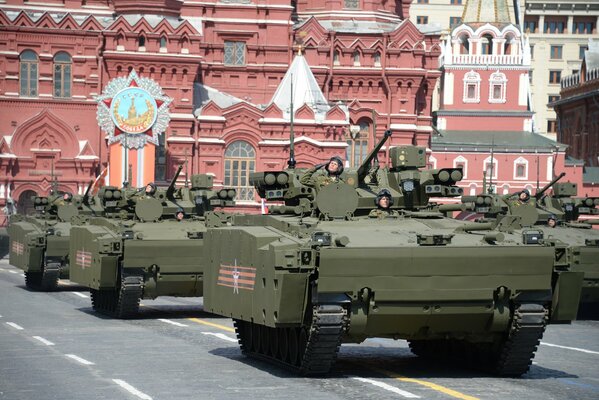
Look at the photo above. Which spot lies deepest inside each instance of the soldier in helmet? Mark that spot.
(332, 173)
(552, 221)
(180, 214)
(518, 199)
(65, 199)
(150, 189)
(384, 201)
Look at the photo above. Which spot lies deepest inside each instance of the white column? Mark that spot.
(570, 24)
(1, 191)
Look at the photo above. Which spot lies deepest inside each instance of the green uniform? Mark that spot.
(382, 213)
(316, 178)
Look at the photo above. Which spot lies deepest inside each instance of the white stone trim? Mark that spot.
(471, 78)
(211, 118)
(211, 140)
(521, 161)
(276, 142)
(495, 166)
(180, 139)
(449, 88)
(462, 160)
(497, 78)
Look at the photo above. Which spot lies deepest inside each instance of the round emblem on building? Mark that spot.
(133, 111)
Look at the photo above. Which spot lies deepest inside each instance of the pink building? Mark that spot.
(484, 108)
(222, 63)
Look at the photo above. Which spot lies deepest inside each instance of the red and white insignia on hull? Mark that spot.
(84, 259)
(237, 277)
(18, 248)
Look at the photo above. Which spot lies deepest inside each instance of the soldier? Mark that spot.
(334, 169)
(384, 201)
(64, 200)
(180, 214)
(552, 221)
(150, 189)
(517, 199)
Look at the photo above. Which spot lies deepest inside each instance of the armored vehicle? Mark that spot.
(576, 245)
(148, 245)
(39, 243)
(324, 269)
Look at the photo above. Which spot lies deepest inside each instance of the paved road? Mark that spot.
(53, 346)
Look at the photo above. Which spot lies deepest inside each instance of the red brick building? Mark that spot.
(485, 108)
(578, 117)
(221, 63)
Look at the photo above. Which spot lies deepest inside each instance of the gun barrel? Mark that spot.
(476, 226)
(171, 186)
(88, 190)
(547, 186)
(363, 169)
(454, 207)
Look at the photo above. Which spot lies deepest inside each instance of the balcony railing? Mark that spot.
(492, 59)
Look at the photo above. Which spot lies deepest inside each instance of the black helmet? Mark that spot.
(526, 192)
(384, 193)
(553, 217)
(180, 210)
(153, 186)
(339, 161)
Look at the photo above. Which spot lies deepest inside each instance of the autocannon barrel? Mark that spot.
(171, 186)
(365, 166)
(546, 187)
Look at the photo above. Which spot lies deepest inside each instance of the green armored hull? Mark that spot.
(340, 265)
(149, 244)
(40, 248)
(163, 255)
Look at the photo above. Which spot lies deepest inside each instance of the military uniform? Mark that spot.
(317, 179)
(382, 213)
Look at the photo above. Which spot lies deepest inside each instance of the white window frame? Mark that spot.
(521, 161)
(432, 161)
(461, 160)
(472, 78)
(497, 78)
(495, 166)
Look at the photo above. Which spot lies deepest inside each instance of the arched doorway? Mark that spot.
(25, 202)
(240, 161)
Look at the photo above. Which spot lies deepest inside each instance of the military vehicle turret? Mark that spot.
(39, 243)
(148, 244)
(323, 269)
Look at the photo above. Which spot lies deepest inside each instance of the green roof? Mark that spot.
(501, 141)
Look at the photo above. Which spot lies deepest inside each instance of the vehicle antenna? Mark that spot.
(291, 161)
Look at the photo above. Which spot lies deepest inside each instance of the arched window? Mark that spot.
(471, 87)
(141, 43)
(25, 203)
(521, 168)
(356, 58)
(461, 162)
(377, 59)
(163, 43)
(62, 74)
(29, 73)
(336, 58)
(487, 44)
(464, 44)
(240, 161)
(357, 143)
(497, 87)
(491, 168)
